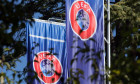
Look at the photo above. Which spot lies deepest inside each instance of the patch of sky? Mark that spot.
(138, 46)
(114, 32)
(16, 2)
(126, 55)
(9, 30)
(19, 67)
(112, 0)
(136, 58)
(127, 48)
(37, 15)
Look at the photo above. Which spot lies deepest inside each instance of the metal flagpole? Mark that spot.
(108, 38)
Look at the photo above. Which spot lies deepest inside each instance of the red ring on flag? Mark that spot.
(76, 6)
(58, 68)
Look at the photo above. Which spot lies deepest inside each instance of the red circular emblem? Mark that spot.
(47, 67)
(82, 19)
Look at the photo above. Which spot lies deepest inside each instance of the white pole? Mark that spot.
(108, 38)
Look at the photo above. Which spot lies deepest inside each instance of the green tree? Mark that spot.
(48, 8)
(125, 17)
(13, 16)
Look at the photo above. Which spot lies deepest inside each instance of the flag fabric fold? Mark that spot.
(46, 52)
(85, 40)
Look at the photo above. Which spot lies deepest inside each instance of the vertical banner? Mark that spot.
(46, 52)
(85, 40)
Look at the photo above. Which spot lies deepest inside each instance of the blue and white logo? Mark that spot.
(47, 67)
(83, 19)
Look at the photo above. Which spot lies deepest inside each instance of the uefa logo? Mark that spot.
(47, 67)
(82, 19)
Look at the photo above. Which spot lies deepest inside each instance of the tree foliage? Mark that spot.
(13, 16)
(48, 8)
(125, 18)
(12, 22)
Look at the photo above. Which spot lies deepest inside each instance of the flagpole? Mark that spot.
(108, 39)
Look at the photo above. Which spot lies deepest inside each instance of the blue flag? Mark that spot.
(46, 52)
(85, 40)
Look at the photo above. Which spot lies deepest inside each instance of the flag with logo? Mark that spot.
(46, 52)
(85, 40)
